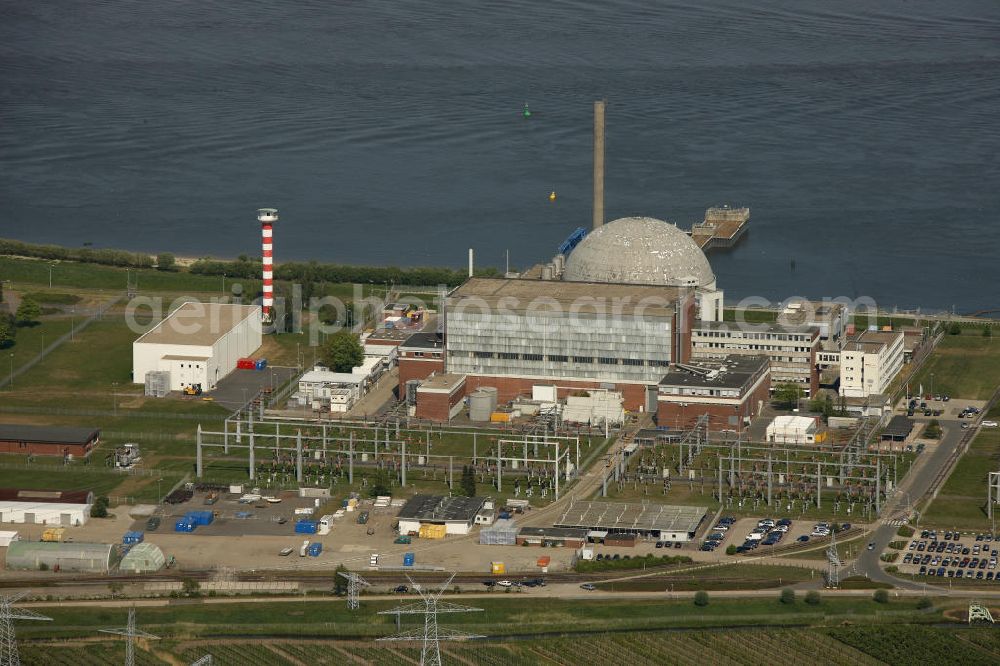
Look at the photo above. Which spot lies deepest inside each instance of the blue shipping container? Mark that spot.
(132, 537)
(306, 527)
(315, 549)
(199, 517)
(183, 526)
(408, 559)
(261, 363)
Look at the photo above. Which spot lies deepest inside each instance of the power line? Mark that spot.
(130, 632)
(8, 641)
(431, 634)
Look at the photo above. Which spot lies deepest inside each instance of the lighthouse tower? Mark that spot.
(267, 218)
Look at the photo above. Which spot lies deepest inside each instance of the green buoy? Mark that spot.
(527, 111)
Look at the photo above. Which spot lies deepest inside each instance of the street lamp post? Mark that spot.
(50, 276)
(11, 381)
(114, 396)
(159, 493)
(932, 384)
(223, 284)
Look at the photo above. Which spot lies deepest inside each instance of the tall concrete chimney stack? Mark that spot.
(599, 163)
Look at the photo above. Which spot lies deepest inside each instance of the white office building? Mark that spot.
(870, 362)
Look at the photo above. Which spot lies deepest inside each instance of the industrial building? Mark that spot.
(48, 440)
(656, 521)
(898, 429)
(45, 507)
(71, 557)
(196, 345)
(791, 349)
(441, 397)
(870, 362)
(513, 333)
(552, 537)
(456, 514)
(420, 356)
(731, 393)
(789, 429)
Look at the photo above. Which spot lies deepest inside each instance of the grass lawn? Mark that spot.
(964, 366)
(727, 577)
(30, 341)
(962, 500)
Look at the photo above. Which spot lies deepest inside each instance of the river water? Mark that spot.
(864, 136)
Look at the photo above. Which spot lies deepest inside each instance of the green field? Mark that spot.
(835, 631)
(961, 503)
(964, 366)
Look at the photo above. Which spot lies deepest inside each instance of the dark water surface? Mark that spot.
(865, 136)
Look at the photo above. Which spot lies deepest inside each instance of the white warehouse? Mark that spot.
(198, 344)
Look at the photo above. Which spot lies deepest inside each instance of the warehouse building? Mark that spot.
(196, 345)
(730, 393)
(48, 440)
(456, 514)
(45, 507)
(441, 397)
(655, 521)
(552, 537)
(511, 334)
(73, 557)
(143, 558)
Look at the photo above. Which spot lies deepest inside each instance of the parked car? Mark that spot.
(402, 589)
(588, 586)
(504, 583)
(803, 538)
(285, 552)
(153, 523)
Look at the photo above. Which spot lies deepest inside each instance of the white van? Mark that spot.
(325, 523)
(373, 561)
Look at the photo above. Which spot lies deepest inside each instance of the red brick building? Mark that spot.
(420, 356)
(731, 393)
(48, 441)
(440, 397)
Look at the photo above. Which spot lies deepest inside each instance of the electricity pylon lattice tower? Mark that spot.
(833, 562)
(430, 634)
(204, 661)
(9, 655)
(130, 632)
(354, 584)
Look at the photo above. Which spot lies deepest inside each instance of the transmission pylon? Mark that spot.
(8, 641)
(354, 584)
(130, 632)
(204, 661)
(431, 634)
(833, 562)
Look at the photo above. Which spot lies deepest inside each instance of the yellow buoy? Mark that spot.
(552, 195)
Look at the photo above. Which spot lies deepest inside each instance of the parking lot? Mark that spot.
(950, 555)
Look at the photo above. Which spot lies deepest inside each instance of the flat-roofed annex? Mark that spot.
(539, 296)
(197, 323)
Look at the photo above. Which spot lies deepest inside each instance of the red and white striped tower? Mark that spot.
(267, 217)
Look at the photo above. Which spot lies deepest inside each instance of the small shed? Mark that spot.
(143, 557)
(898, 429)
(502, 533)
(79, 557)
(568, 537)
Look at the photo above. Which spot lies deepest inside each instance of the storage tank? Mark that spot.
(482, 403)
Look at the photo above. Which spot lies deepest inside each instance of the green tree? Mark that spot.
(8, 332)
(925, 603)
(28, 311)
(190, 587)
(813, 598)
(731, 549)
(954, 328)
(380, 484)
(788, 394)
(881, 596)
(468, 481)
(933, 429)
(701, 598)
(987, 331)
(165, 262)
(343, 352)
(339, 582)
(787, 596)
(100, 507)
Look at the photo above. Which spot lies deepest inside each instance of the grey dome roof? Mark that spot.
(639, 250)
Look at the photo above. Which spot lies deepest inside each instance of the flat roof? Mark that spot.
(197, 323)
(424, 341)
(898, 426)
(520, 295)
(755, 327)
(46, 496)
(447, 380)
(734, 372)
(180, 357)
(554, 532)
(632, 517)
(438, 508)
(15, 432)
(792, 421)
(330, 377)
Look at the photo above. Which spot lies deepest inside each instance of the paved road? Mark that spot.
(912, 488)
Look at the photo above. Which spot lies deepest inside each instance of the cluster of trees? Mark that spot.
(788, 395)
(467, 486)
(314, 272)
(342, 351)
(826, 407)
(955, 328)
(27, 314)
(87, 255)
(100, 507)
